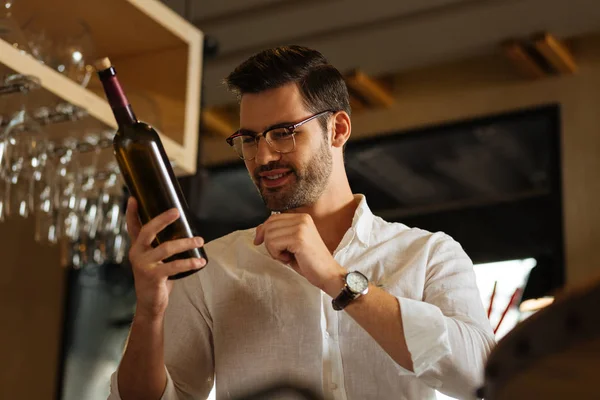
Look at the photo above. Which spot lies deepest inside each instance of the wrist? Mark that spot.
(147, 319)
(334, 283)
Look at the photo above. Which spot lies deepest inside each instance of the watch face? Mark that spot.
(357, 282)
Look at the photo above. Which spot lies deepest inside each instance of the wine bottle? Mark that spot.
(146, 169)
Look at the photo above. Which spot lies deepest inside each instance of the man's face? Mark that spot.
(291, 180)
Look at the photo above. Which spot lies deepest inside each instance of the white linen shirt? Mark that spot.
(250, 321)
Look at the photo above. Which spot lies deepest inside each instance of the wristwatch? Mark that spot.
(356, 285)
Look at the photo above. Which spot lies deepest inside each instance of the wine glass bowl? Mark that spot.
(68, 48)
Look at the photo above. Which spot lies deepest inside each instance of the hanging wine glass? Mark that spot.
(98, 248)
(121, 242)
(74, 54)
(22, 139)
(46, 214)
(3, 121)
(38, 159)
(22, 149)
(112, 196)
(68, 184)
(15, 99)
(117, 238)
(87, 158)
(88, 151)
(66, 47)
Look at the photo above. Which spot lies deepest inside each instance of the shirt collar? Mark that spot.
(362, 222)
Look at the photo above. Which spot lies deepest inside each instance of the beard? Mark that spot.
(306, 186)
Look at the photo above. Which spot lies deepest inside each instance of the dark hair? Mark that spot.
(321, 85)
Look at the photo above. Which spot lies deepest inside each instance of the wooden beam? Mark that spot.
(369, 89)
(555, 53)
(520, 58)
(216, 122)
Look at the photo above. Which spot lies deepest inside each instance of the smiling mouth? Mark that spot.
(275, 180)
(274, 177)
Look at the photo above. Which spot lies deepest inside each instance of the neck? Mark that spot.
(333, 212)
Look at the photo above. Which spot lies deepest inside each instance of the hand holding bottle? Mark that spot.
(148, 174)
(152, 285)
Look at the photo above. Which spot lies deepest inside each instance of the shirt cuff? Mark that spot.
(168, 394)
(114, 387)
(425, 333)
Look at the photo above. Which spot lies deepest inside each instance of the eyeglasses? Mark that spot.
(280, 138)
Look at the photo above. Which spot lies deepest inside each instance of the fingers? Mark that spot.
(285, 257)
(290, 233)
(260, 235)
(149, 231)
(284, 235)
(279, 249)
(277, 221)
(279, 241)
(160, 272)
(149, 262)
(172, 247)
(133, 221)
(177, 266)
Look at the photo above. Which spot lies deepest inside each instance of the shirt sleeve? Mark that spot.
(448, 334)
(188, 351)
(170, 392)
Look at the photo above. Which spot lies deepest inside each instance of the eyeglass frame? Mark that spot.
(292, 128)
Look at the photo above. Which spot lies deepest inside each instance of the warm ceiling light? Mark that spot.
(369, 89)
(516, 52)
(555, 53)
(214, 122)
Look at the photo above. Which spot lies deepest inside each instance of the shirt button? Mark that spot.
(334, 386)
(327, 334)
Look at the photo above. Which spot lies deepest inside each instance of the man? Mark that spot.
(323, 294)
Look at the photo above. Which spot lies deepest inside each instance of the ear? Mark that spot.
(341, 129)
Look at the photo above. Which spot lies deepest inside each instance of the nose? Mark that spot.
(265, 153)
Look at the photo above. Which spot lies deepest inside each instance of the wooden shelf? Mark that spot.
(157, 54)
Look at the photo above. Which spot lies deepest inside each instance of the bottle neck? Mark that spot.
(117, 100)
(124, 115)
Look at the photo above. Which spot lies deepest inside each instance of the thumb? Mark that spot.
(260, 235)
(133, 222)
(285, 257)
